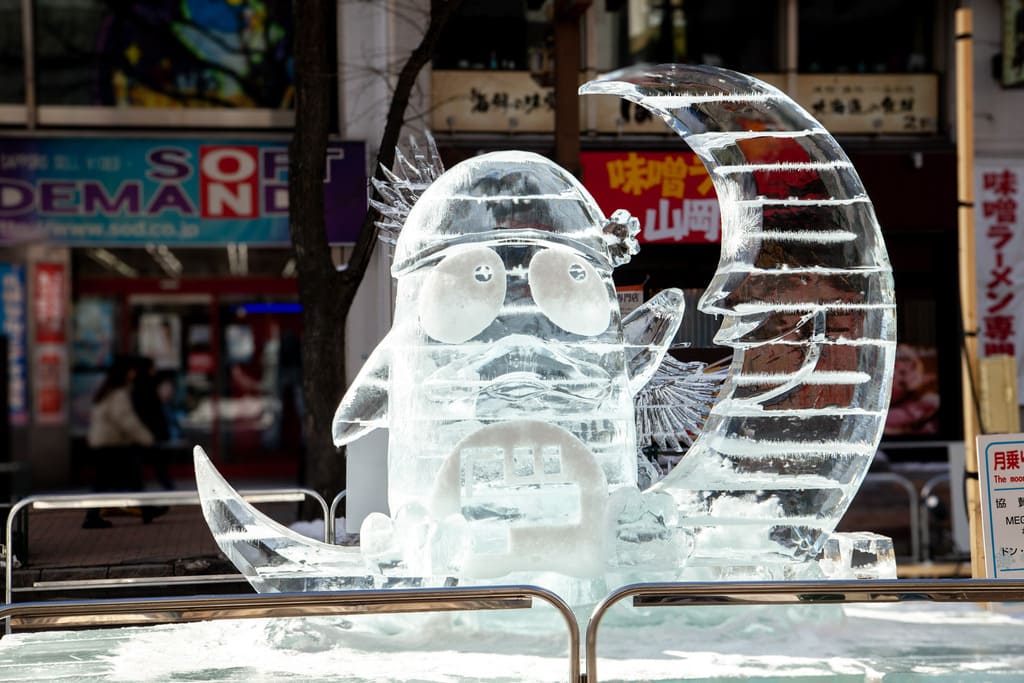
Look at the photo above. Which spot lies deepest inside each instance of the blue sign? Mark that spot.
(134, 191)
(13, 326)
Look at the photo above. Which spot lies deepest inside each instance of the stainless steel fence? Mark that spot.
(795, 593)
(97, 613)
(132, 499)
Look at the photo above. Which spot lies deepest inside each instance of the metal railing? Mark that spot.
(135, 499)
(926, 529)
(98, 613)
(913, 506)
(332, 516)
(794, 593)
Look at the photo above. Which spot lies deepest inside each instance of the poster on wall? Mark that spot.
(670, 194)
(914, 408)
(160, 339)
(13, 318)
(49, 362)
(93, 340)
(135, 191)
(49, 302)
(50, 393)
(999, 249)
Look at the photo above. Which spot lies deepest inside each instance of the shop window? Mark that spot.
(729, 33)
(162, 54)
(12, 61)
(499, 34)
(865, 36)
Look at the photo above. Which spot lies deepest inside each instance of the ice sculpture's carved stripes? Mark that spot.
(793, 201)
(745, 409)
(881, 343)
(817, 377)
(733, 445)
(683, 101)
(717, 139)
(811, 236)
(747, 269)
(754, 308)
(485, 199)
(791, 246)
(782, 167)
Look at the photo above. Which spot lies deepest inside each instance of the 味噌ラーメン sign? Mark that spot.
(669, 193)
(125, 191)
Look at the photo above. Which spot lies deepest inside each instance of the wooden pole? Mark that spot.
(968, 285)
(567, 81)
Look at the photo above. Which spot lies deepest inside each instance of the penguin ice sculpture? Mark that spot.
(506, 380)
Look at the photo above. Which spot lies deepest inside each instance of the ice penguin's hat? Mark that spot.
(511, 198)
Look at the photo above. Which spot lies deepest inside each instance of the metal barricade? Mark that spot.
(97, 613)
(331, 535)
(133, 499)
(913, 510)
(926, 530)
(794, 593)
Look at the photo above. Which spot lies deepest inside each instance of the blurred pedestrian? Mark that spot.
(115, 434)
(148, 406)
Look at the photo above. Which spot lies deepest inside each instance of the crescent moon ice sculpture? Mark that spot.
(806, 291)
(508, 379)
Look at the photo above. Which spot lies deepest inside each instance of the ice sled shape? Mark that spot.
(508, 379)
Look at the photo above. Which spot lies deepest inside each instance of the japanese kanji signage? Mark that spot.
(1001, 475)
(49, 313)
(13, 325)
(999, 247)
(511, 102)
(671, 194)
(872, 103)
(506, 101)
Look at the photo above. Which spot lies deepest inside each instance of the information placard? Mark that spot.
(1001, 479)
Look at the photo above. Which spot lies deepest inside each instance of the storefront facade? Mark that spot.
(885, 99)
(144, 211)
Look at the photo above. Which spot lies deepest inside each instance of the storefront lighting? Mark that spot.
(166, 259)
(109, 260)
(238, 258)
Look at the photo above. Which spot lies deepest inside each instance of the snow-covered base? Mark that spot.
(890, 642)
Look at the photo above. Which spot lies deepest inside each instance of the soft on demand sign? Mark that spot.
(170, 190)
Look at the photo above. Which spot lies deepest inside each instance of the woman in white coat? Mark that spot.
(115, 437)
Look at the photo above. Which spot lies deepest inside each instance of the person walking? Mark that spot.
(114, 437)
(150, 409)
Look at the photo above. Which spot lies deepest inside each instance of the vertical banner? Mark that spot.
(999, 250)
(12, 325)
(50, 316)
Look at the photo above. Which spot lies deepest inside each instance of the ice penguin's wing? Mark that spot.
(364, 407)
(649, 331)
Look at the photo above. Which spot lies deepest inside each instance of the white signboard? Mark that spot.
(1001, 479)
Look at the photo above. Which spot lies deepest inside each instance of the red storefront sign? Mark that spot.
(49, 303)
(671, 194)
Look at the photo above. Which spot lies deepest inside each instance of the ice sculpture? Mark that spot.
(508, 379)
(805, 288)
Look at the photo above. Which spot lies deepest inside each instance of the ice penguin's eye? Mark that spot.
(569, 292)
(462, 295)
